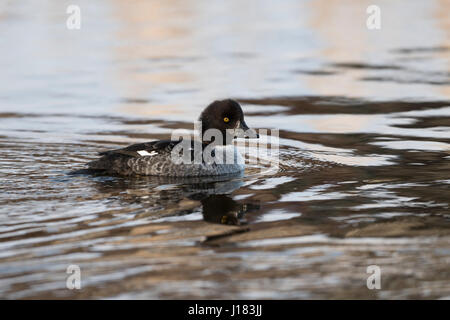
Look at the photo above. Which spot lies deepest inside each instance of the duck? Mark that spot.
(212, 155)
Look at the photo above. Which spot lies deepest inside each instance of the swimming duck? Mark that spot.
(221, 122)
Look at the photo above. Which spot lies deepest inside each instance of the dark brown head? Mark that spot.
(227, 117)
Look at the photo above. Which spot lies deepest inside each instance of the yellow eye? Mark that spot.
(226, 119)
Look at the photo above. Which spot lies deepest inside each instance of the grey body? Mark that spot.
(131, 161)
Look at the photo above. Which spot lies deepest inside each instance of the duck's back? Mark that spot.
(157, 159)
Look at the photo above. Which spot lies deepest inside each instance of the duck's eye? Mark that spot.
(226, 120)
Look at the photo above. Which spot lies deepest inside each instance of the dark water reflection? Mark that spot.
(364, 150)
(223, 209)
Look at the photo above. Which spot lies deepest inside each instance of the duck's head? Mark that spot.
(227, 117)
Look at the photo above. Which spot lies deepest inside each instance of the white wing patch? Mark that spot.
(145, 153)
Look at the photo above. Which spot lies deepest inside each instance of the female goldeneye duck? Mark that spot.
(156, 158)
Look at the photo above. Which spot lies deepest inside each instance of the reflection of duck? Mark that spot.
(224, 210)
(168, 196)
(176, 188)
(221, 120)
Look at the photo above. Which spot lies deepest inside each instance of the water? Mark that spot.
(364, 149)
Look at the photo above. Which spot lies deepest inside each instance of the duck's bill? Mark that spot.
(243, 131)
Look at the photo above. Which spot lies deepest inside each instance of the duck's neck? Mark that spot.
(227, 140)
